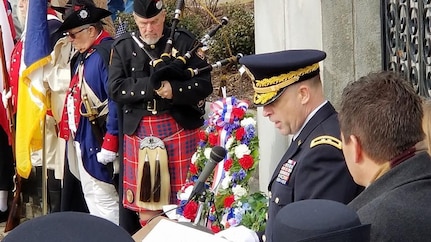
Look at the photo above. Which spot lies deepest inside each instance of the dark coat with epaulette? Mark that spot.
(313, 167)
(130, 86)
(397, 203)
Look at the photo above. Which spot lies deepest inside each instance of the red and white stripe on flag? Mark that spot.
(8, 34)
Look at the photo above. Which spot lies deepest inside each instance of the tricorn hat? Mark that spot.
(147, 8)
(319, 220)
(62, 9)
(272, 72)
(82, 15)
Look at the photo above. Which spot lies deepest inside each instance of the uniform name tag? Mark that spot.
(285, 171)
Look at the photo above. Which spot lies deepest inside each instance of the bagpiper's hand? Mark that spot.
(5, 97)
(238, 234)
(106, 156)
(173, 71)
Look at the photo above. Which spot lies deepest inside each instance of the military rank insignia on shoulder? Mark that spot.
(326, 140)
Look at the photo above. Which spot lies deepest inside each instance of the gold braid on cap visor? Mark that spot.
(267, 88)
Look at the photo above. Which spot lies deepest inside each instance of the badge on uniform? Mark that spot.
(285, 171)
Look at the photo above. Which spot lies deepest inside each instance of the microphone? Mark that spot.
(217, 154)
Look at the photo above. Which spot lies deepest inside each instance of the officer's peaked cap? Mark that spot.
(273, 72)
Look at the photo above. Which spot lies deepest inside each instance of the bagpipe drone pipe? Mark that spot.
(169, 66)
(176, 67)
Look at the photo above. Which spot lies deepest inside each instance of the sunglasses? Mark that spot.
(73, 35)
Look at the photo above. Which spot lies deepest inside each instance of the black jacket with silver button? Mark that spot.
(129, 82)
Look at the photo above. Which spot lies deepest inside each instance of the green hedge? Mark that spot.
(236, 37)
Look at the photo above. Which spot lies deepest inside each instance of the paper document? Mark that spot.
(167, 231)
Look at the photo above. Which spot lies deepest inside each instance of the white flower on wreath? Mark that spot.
(226, 181)
(248, 121)
(239, 191)
(186, 194)
(194, 157)
(207, 153)
(229, 143)
(242, 150)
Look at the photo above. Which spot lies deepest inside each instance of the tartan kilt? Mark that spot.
(180, 145)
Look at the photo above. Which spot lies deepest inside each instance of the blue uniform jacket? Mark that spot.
(96, 75)
(312, 167)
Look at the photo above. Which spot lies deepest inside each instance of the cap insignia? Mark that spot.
(159, 4)
(83, 14)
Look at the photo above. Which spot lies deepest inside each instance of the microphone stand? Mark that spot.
(202, 200)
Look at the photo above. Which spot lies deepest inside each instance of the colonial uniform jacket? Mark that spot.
(397, 204)
(95, 62)
(312, 167)
(130, 86)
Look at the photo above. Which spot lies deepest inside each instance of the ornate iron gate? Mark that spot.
(406, 33)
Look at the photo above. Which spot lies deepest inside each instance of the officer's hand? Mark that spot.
(106, 156)
(238, 234)
(5, 97)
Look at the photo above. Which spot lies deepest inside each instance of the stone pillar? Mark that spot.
(352, 39)
(281, 25)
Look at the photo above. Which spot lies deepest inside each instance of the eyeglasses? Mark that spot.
(73, 35)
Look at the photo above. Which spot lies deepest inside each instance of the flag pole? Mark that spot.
(44, 171)
(14, 217)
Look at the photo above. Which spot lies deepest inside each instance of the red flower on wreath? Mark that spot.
(215, 228)
(190, 210)
(228, 201)
(227, 164)
(193, 169)
(246, 162)
(238, 113)
(213, 139)
(202, 135)
(240, 133)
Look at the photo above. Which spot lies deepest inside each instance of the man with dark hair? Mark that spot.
(381, 122)
(89, 121)
(165, 111)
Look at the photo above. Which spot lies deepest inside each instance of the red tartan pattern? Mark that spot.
(180, 145)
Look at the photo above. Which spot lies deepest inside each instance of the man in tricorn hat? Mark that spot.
(89, 120)
(168, 109)
(288, 86)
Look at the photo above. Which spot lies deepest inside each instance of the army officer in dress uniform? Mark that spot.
(288, 86)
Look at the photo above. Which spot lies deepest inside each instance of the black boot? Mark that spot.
(54, 201)
(3, 216)
(54, 192)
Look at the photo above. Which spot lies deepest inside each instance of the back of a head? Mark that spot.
(319, 220)
(384, 112)
(68, 227)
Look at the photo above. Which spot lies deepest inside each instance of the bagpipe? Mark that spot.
(169, 66)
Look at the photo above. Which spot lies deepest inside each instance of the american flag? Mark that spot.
(121, 29)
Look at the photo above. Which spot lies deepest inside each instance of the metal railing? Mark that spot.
(406, 41)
